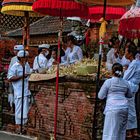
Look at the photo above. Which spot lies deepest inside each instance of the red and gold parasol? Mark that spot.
(109, 2)
(96, 12)
(130, 22)
(61, 8)
(20, 8)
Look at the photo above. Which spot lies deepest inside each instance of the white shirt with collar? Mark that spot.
(13, 61)
(50, 62)
(124, 61)
(111, 59)
(40, 61)
(76, 54)
(17, 70)
(64, 58)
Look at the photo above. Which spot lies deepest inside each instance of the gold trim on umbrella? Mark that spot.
(18, 10)
(109, 2)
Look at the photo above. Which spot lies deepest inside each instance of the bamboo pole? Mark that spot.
(94, 128)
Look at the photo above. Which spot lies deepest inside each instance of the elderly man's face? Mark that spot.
(23, 59)
(45, 50)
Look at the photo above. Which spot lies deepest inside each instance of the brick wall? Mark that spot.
(6, 47)
(75, 110)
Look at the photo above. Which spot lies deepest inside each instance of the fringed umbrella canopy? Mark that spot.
(96, 12)
(130, 23)
(21, 8)
(109, 2)
(60, 8)
(18, 7)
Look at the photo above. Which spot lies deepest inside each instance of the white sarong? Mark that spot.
(115, 124)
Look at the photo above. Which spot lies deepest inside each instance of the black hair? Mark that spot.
(113, 39)
(39, 50)
(72, 39)
(117, 69)
(54, 49)
(19, 58)
(132, 49)
(128, 41)
(64, 39)
(62, 53)
(112, 43)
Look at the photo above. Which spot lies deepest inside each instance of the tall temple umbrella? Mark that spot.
(21, 8)
(62, 8)
(102, 31)
(96, 12)
(129, 26)
(109, 2)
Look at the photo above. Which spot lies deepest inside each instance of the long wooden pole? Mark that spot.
(94, 129)
(25, 43)
(26, 28)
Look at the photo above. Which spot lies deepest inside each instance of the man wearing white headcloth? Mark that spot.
(15, 75)
(40, 61)
(14, 59)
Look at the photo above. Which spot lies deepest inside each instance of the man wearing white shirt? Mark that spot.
(14, 59)
(40, 61)
(124, 61)
(15, 76)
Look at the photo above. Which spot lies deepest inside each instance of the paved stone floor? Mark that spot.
(10, 136)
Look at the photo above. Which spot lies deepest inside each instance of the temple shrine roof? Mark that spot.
(46, 25)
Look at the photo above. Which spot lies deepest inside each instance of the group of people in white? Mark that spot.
(120, 90)
(72, 53)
